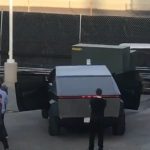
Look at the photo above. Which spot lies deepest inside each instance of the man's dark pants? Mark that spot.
(4, 125)
(96, 128)
(5, 143)
(3, 133)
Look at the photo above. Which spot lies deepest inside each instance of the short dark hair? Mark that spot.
(98, 91)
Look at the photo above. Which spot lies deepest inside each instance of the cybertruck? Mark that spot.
(58, 94)
(65, 94)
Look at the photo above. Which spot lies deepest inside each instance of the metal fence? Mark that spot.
(45, 40)
(144, 73)
(145, 76)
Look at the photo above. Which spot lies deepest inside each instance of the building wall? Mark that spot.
(98, 4)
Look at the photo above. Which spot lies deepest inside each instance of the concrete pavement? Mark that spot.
(28, 131)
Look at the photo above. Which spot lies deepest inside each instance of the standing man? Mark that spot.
(3, 135)
(4, 105)
(98, 105)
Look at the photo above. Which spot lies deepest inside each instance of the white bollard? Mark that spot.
(10, 78)
(10, 73)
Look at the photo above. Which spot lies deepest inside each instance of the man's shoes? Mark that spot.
(90, 148)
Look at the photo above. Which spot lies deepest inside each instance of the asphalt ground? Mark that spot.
(28, 131)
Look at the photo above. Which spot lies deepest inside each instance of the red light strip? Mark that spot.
(87, 97)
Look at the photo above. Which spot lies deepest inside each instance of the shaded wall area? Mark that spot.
(39, 39)
(45, 40)
(115, 30)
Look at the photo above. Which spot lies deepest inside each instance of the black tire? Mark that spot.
(118, 127)
(54, 126)
(44, 113)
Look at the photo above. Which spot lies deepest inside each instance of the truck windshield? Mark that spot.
(79, 85)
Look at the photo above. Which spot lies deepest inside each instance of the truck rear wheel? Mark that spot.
(44, 113)
(54, 126)
(118, 127)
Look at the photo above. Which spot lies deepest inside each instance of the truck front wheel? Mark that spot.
(44, 113)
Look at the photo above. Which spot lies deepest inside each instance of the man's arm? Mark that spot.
(6, 99)
(105, 102)
(3, 107)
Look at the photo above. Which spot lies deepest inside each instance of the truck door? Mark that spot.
(31, 91)
(130, 86)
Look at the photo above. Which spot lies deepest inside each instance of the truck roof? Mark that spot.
(82, 70)
(84, 80)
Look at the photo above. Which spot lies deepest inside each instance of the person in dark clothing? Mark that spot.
(4, 103)
(3, 134)
(98, 105)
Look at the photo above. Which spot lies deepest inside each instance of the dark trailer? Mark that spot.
(119, 60)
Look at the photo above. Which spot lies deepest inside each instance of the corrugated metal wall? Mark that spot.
(41, 39)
